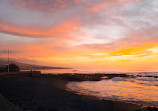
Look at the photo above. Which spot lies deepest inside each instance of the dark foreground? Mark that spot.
(48, 94)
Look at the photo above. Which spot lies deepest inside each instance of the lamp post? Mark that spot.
(33, 64)
(8, 60)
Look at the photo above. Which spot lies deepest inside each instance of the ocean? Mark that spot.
(141, 87)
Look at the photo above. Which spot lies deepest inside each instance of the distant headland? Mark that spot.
(25, 66)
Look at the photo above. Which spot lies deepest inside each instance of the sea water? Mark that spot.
(138, 87)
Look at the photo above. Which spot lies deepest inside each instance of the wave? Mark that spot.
(143, 90)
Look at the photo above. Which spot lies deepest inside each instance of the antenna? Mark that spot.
(8, 60)
(0, 63)
(33, 63)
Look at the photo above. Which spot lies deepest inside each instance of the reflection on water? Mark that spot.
(52, 71)
(142, 90)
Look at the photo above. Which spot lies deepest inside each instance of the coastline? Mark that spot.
(43, 93)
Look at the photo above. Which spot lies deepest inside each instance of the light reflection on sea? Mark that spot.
(53, 71)
(140, 89)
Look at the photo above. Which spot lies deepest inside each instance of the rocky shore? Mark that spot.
(47, 93)
(83, 77)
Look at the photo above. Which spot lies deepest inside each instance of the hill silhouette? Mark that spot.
(24, 66)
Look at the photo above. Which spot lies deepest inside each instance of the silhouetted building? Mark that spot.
(12, 68)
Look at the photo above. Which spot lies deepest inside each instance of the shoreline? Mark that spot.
(46, 86)
(142, 105)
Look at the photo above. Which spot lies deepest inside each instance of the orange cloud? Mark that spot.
(133, 50)
(107, 4)
(66, 28)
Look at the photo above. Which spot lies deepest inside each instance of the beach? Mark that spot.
(78, 55)
(47, 93)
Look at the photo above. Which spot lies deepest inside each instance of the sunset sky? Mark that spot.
(100, 35)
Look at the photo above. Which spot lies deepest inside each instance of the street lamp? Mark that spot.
(8, 60)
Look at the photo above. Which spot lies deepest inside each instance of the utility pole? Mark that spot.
(33, 64)
(0, 63)
(8, 60)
